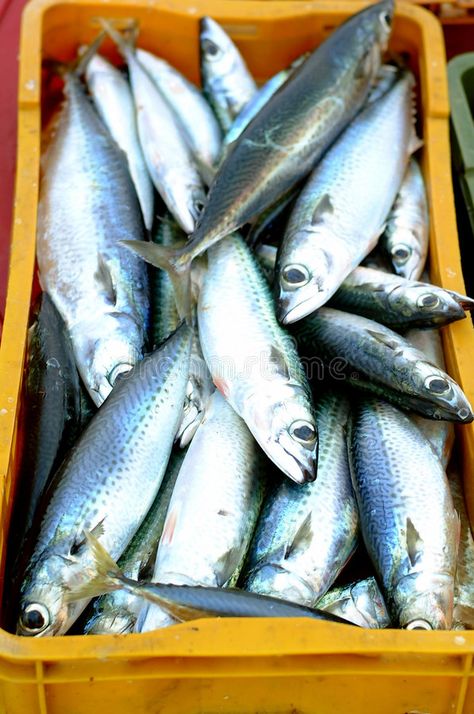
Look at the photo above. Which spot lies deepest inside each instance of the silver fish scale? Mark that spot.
(397, 478)
(306, 534)
(87, 205)
(113, 474)
(464, 582)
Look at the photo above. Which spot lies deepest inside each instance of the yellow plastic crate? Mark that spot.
(230, 666)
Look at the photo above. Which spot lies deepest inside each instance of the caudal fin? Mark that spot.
(125, 42)
(166, 258)
(108, 576)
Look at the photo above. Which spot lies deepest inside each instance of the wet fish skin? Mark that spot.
(226, 80)
(373, 358)
(406, 236)
(288, 136)
(98, 287)
(408, 520)
(306, 534)
(361, 603)
(214, 506)
(464, 580)
(106, 484)
(397, 302)
(253, 362)
(196, 117)
(440, 434)
(167, 155)
(187, 602)
(114, 102)
(341, 211)
(118, 611)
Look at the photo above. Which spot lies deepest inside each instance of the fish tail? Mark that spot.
(125, 41)
(77, 66)
(179, 271)
(108, 576)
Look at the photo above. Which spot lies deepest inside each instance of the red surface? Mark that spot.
(10, 12)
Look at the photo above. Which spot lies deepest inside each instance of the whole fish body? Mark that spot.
(87, 205)
(114, 102)
(194, 114)
(253, 362)
(226, 79)
(371, 357)
(53, 407)
(440, 434)
(398, 302)
(306, 534)
(165, 320)
(342, 209)
(291, 132)
(118, 611)
(167, 155)
(464, 580)
(361, 603)
(408, 520)
(214, 506)
(106, 484)
(406, 236)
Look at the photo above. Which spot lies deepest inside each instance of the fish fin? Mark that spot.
(80, 542)
(207, 171)
(324, 205)
(415, 143)
(465, 615)
(78, 65)
(385, 340)
(414, 542)
(166, 258)
(278, 360)
(229, 563)
(107, 577)
(125, 42)
(103, 276)
(302, 537)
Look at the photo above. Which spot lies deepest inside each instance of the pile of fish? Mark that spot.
(198, 445)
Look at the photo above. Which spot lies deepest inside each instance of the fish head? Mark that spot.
(371, 32)
(217, 53)
(44, 610)
(275, 580)
(422, 301)
(425, 601)
(106, 350)
(285, 427)
(307, 275)
(403, 249)
(104, 623)
(437, 387)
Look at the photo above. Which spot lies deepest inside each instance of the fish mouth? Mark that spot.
(286, 314)
(418, 625)
(301, 471)
(466, 303)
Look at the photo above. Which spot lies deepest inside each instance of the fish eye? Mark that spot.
(120, 370)
(303, 431)
(386, 19)
(437, 385)
(401, 253)
(35, 618)
(295, 276)
(428, 300)
(211, 49)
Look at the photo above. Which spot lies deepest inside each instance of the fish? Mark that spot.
(440, 434)
(53, 407)
(306, 534)
(371, 357)
(118, 611)
(99, 288)
(409, 524)
(258, 100)
(253, 362)
(361, 603)
(341, 211)
(406, 236)
(188, 602)
(286, 139)
(463, 617)
(165, 319)
(113, 100)
(215, 504)
(196, 118)
(225, 77)
(167, 155)
(398, 302)
(106, 484)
